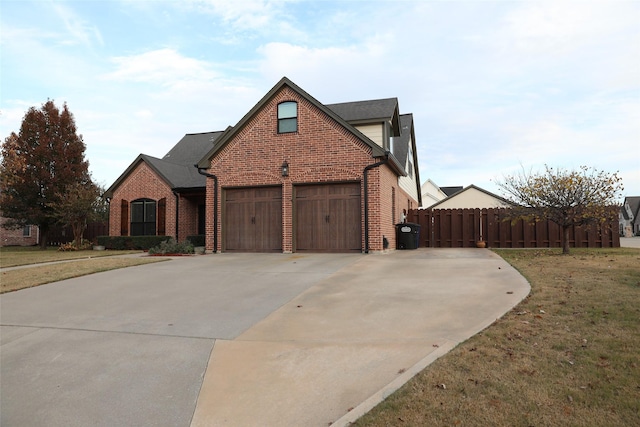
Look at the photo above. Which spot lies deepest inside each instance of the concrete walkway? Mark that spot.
(237, 340)
(630, 242)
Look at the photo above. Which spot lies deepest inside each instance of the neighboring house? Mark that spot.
(471, 197)
(292, 175)
(24, 236)
(629, 217)
(431, 193)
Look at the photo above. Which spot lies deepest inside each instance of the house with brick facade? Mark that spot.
(28, 235)
(293, 175)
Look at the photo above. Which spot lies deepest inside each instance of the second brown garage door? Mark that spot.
(253, 219)
(327, 218)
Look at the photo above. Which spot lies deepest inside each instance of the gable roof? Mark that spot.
(373, 111)
(467, 188)
(634, 205)
(450, 191)
(176, 167)
(377, 151)
(400, 146)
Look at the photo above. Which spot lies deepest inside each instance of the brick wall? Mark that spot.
(16, 237)
(321, 151)
(143, 182)
(188, 220)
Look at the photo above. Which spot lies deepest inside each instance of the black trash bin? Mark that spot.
(407, 236)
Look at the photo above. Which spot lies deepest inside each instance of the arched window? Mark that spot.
(288, 117)
(143, 217)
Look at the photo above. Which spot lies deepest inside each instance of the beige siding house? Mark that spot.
(471, 197)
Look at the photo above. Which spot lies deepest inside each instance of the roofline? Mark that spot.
(142, 158)
(482, 190)
(205, 162)
(414, 151)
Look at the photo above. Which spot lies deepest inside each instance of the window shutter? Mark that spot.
(124, 218)
(162, 216)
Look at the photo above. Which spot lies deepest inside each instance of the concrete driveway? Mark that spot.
(241, 339)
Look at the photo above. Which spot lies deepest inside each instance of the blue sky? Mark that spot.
(493, 86)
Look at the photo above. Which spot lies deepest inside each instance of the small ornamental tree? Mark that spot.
(566, 197)
(38, 165)
(76, 206)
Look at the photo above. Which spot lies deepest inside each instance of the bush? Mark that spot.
(196, 240)
(130, 242)
(172, 247)
(68, 247)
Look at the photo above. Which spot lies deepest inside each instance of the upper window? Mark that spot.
(143, 217)
(288, 117)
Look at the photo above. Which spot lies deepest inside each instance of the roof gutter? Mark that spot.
(201, 171)
(366, 198)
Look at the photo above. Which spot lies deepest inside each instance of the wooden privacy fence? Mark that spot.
(462, 228)
(60, 235)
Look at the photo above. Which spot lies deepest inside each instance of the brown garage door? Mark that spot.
(327, 218)
(253, 219)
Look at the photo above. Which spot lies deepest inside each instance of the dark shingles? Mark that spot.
(401, 143)
(191, 148)
(177, 166)
(450, 191)
(361, 111)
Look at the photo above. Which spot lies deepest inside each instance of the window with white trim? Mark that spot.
(288, 117)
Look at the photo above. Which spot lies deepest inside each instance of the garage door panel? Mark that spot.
(328, 218)
(344, 225)
(253, 219)
(307, 231)
(268, 225)
(238, 219)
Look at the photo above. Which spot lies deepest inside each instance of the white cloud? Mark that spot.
(243, 15)
(80, 30)
(164, 67)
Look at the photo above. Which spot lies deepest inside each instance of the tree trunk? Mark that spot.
(565, 239)
(78, 229)
(44, 235)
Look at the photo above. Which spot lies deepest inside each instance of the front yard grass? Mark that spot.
(568, 355)
(88, 262)
(14, 280)
(14, 256)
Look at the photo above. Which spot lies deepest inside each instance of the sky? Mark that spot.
(496, 87)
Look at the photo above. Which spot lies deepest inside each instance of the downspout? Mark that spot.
(175, 193)
(201, 171)
(108, 199)
(366, 199)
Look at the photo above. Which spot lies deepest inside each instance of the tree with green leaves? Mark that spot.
(38, 165)
(566, 197)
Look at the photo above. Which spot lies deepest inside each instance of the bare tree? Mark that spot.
(566, 197)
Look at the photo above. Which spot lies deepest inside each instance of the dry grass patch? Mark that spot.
(568, 355)
(14, 280)
(15, 256)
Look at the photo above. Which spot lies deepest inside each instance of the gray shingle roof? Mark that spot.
(401, 144)
(361, 111)
(450, 191)
(191, 148)
(177, 166)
